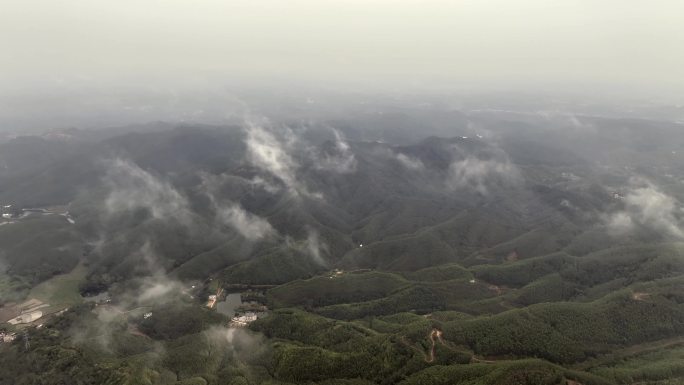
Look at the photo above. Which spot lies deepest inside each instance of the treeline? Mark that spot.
(523, 372)
(81, 348)
(630, 264)
(571, 332)
(50, 360)
(176, 320)
(35, 249)
(314, 348)
(346, 288)
(419, 299)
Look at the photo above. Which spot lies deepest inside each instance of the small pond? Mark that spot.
(227, 307)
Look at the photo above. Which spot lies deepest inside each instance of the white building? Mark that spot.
(243, 320)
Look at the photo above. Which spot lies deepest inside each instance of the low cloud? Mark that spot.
(315, 247)
(131, 188)
(233, 336)
(407, 161)
(158, 288)
(152, 288)
(477, 174)
(260, 182)
(155, 286)
(232, 214)
(238, 343)
(270, 151)
(271, 154)
(620, 223)
(645, 205)
(340, 159)
(410, 162)
(248, 225)
(99, 330)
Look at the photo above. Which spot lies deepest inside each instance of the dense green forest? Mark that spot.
(365, 262)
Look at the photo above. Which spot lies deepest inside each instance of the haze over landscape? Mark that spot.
(93, 60)
(341, 192)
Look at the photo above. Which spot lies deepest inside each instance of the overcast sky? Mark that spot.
(630, 44)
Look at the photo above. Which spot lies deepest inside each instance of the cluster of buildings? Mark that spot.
(569, 176)
(241, 313)
(6, 211)
(243, 320)
(7, 337)
(211, 301)
(336, 273)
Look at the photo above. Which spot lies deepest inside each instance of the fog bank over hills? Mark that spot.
(612, 46)
(86, 64)
(341, 192)
(400, 224)
(109, 106)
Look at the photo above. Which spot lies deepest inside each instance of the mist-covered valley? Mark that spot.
(365, 250)
(341, 192)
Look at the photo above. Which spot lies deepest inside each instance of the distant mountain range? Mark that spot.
(505, 231)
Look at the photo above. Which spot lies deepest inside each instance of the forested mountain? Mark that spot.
(484, 248)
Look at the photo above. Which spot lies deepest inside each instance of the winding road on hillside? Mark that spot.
(435, 336)
(434, 333)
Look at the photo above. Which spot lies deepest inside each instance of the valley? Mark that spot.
(211, 255)
(341, 192)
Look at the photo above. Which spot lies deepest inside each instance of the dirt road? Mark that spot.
(434, 334)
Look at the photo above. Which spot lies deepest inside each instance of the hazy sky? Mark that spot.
(633, 44)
